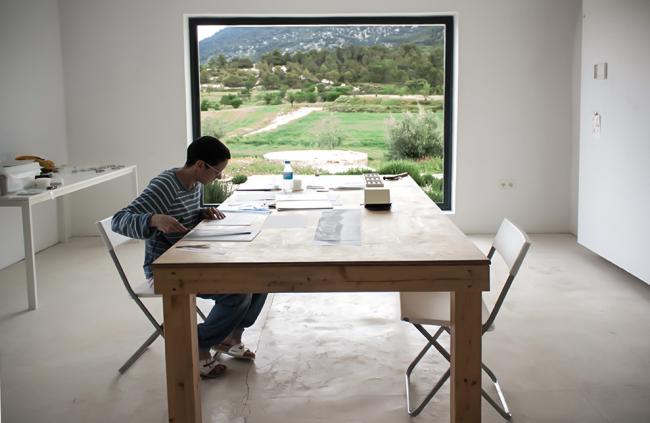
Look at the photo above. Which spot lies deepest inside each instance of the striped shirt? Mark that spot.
(165, 194)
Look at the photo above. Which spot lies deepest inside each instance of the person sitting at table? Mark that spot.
(167, 209)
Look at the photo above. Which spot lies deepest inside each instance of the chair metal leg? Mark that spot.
(200, 313)
(502, 409)
(158, 332)
(139, 352)
(409, 370)
(431, 394)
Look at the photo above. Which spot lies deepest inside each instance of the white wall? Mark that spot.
(125, 97)
(32, 116)
(614, 201)
(125, 100)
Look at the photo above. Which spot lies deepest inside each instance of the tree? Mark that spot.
(415, 136)
(221, 61)
(204, 76)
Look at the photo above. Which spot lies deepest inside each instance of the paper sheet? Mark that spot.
(303, 205)
(223, 233)
(303, 196)
(234, 219)
(341, 226)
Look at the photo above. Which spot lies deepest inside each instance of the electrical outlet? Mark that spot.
(507, 183)
(596, 125)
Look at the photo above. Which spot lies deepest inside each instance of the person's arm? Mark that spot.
(147, 213)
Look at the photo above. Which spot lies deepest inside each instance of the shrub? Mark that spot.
(329, 139)
(328, 135)
(415, 136)
(239, 179)
(272, 98)
(236, 102)
(231, 100)
(356, 171)
(212, 127)
(401, 166)
(216, 192)
(434, 190)
(207, 104)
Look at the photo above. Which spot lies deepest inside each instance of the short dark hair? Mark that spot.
(207, 148)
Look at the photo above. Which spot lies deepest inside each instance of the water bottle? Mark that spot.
(287, 177)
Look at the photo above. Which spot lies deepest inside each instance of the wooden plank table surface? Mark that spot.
(412, 247)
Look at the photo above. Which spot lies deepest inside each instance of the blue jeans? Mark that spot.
(230, 312)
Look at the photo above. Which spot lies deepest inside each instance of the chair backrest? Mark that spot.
(112, 240)
(512, 244)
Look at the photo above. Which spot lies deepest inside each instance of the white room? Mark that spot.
(549, 130)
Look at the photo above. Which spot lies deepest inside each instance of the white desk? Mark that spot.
(72, 182)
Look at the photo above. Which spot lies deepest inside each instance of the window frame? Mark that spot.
(447, 20)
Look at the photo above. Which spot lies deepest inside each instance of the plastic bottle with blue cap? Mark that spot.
(287, 177)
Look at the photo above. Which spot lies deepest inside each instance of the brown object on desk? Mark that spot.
(415, 248)
(396, 177)
(46, 165)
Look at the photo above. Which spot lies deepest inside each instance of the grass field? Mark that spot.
(245, 119)
(365, 132)
(361, 131)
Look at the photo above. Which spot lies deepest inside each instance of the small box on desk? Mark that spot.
(377, 198)
(17, 175)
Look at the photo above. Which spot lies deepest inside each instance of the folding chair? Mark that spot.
(433, 308)
(113, 240)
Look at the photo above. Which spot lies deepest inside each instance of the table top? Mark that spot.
(413, 232)
(74, 179)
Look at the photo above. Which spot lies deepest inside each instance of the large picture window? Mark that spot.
(336, 95)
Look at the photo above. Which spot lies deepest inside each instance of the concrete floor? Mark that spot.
(571, 344)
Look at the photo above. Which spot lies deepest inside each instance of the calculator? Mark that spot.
(373, 180)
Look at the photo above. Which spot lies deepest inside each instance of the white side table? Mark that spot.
(72, 182)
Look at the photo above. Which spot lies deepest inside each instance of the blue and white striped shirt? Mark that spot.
(165, 194)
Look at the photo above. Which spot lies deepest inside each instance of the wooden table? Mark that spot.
(412, 247)
(74, 179)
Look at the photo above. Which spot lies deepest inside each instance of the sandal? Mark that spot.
(237, 351)
(211, 368)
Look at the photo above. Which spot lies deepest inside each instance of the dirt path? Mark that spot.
(286, 118)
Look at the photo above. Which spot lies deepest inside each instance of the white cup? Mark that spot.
(297, 184)
(42, 183)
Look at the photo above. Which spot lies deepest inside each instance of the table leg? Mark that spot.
(181, 358)
(30, 263)
(466, 356)
(135, 183)
(63, 212)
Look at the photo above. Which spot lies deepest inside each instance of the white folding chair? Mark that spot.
(432, 308)
(112, 240)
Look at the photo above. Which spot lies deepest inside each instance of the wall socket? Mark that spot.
(507, 184)
(596, 125)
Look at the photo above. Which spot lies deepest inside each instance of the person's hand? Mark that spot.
(213, 213)
(166, 224)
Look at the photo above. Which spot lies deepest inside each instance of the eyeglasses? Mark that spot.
(215, 170)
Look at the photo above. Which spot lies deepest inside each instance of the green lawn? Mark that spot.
(362, 131)
(365, 132)
(244, 119)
